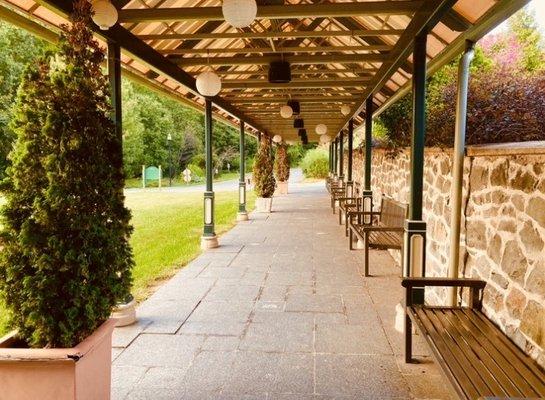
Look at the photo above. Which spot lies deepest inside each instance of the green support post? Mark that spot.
(341, 156)
(125, 313)
(414, 257)
(349, 182)
(209, 239)
(335, 172)
(242, 213)
(330, 159)
(367, 193)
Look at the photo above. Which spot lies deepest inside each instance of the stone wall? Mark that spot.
(503, 227)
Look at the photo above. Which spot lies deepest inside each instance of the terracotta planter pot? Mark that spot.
(79, 373)
(282, 187)
(263, 204)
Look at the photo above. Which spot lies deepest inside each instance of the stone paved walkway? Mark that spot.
(280, 311)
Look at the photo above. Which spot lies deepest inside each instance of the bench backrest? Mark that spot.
(393, 213)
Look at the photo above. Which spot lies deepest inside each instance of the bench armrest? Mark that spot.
(476, 287)
(384, 228)
(362, 213)
(445, 282)
(346, 198)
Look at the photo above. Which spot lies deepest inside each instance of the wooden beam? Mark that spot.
(265, 60)
(326, 10)
(310, 99)
(321, 71)
(295, 84)
(250, 50)
(272, 35)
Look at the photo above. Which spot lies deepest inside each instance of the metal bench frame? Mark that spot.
(379, 225)
(475, 356)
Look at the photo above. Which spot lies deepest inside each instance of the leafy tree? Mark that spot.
(18, 48)
(264, 182)
(66, 259)
(525, 29)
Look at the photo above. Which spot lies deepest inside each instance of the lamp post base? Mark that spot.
(242, 216)
(209, 242)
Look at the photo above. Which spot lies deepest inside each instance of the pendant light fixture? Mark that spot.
(208, 82)
(104, 14)
(321, 129)
(345, 109)
(286, 111)
(239, 13)
(277, 139)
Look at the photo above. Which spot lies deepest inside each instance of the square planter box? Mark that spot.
(263, 204)
(79, 373)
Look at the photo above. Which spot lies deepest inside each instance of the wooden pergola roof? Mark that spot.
(340, 51)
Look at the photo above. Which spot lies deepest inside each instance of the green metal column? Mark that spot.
(414, 257)
(349, 182)
(330, 158)
(335, 174)
(341, 156)
(114, 76)
(127, 313)
(209, 238)
(242, 214)
(367, 193)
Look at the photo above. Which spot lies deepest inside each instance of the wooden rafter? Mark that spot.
(405, 7)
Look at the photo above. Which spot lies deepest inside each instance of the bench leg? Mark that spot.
(366, 256)
(340, 216)
(350, 240)
(408, 339)
(346, 216)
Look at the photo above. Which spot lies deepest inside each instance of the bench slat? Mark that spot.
(478, 358)
(521, 363)
(470, 381)
(480, 349)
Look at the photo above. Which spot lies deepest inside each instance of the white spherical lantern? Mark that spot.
(345, 110)
(325, 139)
(277, 139)
(321, 129)
(208, 83)
(239, 13)
(104, 14)
(286, 111)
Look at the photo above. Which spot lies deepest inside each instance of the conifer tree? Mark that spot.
(264, 182)
(282, 164)
(66, 259)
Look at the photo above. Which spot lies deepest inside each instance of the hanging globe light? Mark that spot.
(345, 110)
(325, 139)
(239, 13)
(104, 14)
(277, 139)
(321, 129)
(286, 111)
(208, 83)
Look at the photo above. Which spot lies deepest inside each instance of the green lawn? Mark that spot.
(137, 182)
(167, 231)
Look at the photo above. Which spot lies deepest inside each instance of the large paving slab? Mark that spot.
(279, 311)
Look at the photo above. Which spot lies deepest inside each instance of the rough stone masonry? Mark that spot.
(503, 227)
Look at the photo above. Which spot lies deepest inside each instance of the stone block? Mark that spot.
(532, 240)
(515, 302)
(536, 210)
(533, 322)
(513, 262)
(536, 280)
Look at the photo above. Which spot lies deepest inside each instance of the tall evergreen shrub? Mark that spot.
(264, 182)
(66, 259)
(282, 164)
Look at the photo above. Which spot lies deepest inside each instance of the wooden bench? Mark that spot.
(386, 231)
(478, 359)
(347, 204)
(337, 192)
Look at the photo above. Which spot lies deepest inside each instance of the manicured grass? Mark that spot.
(167, 232)
(137, 182)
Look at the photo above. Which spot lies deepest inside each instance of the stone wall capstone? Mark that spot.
(502, 232)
